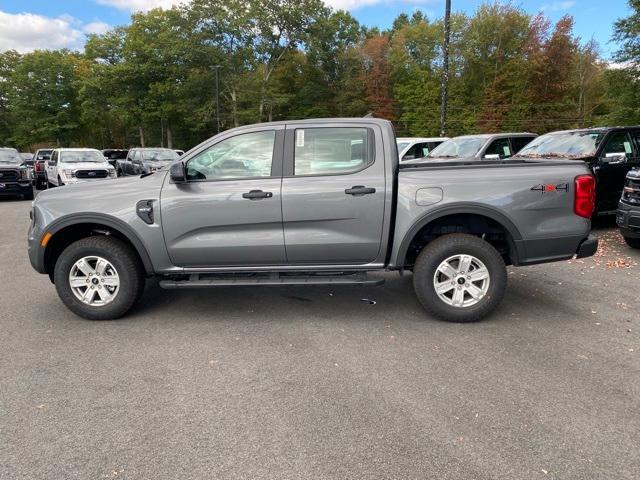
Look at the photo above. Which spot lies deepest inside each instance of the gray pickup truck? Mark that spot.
(311, 202)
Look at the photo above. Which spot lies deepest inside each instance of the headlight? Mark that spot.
(68, 173)
(24, 174)
(112, 172)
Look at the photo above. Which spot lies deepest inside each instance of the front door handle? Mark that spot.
(257, 195)
(360, 190)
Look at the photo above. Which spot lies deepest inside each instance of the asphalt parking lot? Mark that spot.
(315, 383)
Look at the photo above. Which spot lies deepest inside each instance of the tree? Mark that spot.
(626, 31)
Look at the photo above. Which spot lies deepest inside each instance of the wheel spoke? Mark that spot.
(111, 281)
(101, 265)
(465, 263)
(474, 291)
(87, 296)
(104, 294)
(84, 267)
(447, 270)
(77, 282)
(479, 274)
(458, 297)
(443, 287)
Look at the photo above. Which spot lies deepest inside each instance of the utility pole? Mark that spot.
(217, 67)
(445, 69)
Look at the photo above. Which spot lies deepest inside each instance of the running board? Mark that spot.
(206, 280)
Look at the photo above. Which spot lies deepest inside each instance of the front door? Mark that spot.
(229, 212)
(616, 158)
(333, 194)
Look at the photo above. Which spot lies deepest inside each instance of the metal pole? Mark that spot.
(445, 69)
(217, 67)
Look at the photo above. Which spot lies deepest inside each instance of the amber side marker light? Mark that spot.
(45, 239)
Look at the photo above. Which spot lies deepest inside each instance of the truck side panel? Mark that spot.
(533, 201)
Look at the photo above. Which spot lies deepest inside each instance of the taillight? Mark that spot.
(584, 200)
(39, 167)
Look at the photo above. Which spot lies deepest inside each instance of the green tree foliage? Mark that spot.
(152, 82)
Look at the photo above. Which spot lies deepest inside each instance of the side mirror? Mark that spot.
(614, 158)
(51, 163)
(492, 156)
(178, 173)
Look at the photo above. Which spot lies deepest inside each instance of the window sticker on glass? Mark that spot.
(506, 151)
(299, 138)
(627, 147)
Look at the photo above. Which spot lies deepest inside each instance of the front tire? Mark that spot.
(459, 278)
(99, 278)
(632, 242)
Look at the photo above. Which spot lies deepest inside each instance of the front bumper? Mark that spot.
(15, 188)
(628, 220)
(588, 248)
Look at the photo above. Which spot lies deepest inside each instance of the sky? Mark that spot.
(26, 25)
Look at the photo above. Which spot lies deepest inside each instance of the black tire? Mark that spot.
(41, 184)
(121, 256)
(119, 173)
(60, 182)
(28, 195)
(437, 252)
(632, 242)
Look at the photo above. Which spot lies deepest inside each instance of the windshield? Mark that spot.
(78, 156)
(565, 145)
(115, 154)
(158, 155)
(402, 146)
(10, 156)
(458, 147)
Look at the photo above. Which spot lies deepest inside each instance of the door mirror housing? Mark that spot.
(492, 156)
(51, 163)
(614, 158)
(178, 173)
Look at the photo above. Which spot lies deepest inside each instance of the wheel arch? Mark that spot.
(495, 217)
(68, 229)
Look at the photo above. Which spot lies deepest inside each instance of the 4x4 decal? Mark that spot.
(548, 188)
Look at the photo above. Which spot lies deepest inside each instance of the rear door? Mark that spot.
(229, 212)
(333, 194)
(501, 147)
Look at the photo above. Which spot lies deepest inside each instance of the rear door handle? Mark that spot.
(360, 190)
(257, 195)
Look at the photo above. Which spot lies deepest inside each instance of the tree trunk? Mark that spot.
(234, 108)
(141, 130)
(169, 136)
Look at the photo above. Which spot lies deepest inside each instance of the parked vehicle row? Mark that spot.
(15, 177)
(312, 202)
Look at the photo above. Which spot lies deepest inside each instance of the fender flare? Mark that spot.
(457, 209)
(107, 221)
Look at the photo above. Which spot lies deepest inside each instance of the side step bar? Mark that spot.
(205, 280)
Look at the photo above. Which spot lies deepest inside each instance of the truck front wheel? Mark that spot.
(459, 278)
(99, 278)
(632, 242)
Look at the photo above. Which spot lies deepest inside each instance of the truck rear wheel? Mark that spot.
(632, 242)
(459, 278)
(99, 278)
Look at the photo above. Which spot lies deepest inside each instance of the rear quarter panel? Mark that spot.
(510, 191)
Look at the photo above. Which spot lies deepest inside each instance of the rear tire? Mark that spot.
(123, 262)
(475, 298)
(632, 242)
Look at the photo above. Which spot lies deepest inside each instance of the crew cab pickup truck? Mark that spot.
(311, 202)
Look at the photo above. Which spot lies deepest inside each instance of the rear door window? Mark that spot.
(618, 142)
(518, 143)
(500, 147)
(331, 151)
